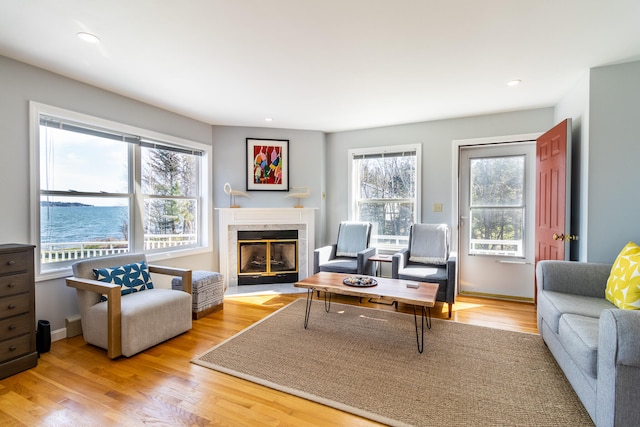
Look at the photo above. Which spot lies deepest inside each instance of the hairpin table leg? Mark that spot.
(423, 318)
(308, 308)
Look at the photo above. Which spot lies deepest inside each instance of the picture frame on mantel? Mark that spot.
(267, 164)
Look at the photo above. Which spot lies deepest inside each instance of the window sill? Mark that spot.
(66, 271)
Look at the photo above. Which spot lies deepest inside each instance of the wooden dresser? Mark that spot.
(17, 309)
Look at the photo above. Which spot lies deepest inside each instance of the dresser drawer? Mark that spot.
(14, 284)
(14, 262)
(14, 326)
(14, 305)
(14, 347)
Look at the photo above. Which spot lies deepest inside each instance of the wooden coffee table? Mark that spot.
(423, 296)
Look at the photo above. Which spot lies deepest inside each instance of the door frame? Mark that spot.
(455, 178)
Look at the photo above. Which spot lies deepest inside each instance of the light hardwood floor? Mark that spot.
(76, 384)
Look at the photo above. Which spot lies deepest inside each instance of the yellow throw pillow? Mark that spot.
(623, 285)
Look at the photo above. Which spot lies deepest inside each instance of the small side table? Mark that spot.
(380, 258)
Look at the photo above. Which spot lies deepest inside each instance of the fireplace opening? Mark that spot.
(267, 256)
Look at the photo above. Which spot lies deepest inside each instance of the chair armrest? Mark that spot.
(451, 276)
(364, 265)
(618, 367)
(184, 273)
(398, 261)
(322, 255)
(571, 277)
(114, 310)
(93, 285)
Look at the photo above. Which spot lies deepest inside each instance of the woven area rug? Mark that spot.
(365, 361)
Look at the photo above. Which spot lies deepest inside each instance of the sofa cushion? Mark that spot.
(623, 285)
(340, 265)
(148, 318)
(132, 277)
(579, 336)
(552, 305)
(422, 272)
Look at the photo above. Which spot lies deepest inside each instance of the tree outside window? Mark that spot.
(497, 206)
(385, 192)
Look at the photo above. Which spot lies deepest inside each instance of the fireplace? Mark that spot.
(231, 221)
(267, 256)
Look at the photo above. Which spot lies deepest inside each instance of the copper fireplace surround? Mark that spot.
(267, 256)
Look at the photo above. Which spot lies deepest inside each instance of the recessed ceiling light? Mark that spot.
(268, 119)
(514, 82)
(88, 37)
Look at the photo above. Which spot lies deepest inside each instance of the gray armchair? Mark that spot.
(428, 259)
(350, 254)
(127, 324)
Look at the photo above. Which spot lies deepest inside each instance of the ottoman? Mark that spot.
(207, 289)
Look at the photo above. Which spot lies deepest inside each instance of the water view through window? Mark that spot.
(89, 186)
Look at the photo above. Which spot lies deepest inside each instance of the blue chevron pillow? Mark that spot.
(131, 277)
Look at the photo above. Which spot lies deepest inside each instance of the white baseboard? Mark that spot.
(58, 334)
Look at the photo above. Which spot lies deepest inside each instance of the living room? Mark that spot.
(603, 102)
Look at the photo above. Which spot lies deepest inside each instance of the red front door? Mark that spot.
(553, 195)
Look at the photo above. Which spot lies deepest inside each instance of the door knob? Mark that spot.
(565, 237)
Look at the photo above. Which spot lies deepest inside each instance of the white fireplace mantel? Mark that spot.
(230, 220)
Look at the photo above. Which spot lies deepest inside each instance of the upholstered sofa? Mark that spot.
(596, 344)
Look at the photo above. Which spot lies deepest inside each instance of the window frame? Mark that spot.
(353, 182)
(62, 269)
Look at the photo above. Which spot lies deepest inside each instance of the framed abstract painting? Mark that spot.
(267, 164)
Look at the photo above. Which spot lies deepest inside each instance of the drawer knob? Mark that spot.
(12, 327)
(11, 262)
(12, 306)
(12, 348)
(12, 284)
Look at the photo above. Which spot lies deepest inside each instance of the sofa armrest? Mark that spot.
(364, 265)
(398, 261)
(322, 255)
(618, 368)
(571, 277)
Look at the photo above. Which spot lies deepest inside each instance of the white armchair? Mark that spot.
(128, 324)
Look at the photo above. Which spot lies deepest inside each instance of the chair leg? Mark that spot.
(449, 304)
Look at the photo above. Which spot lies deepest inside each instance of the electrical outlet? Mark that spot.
(437, 207)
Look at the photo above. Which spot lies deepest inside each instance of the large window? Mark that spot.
(102, 188)
(385, 191)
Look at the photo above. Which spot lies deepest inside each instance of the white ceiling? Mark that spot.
(326, 65)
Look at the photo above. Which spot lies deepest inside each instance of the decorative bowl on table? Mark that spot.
(360, 281)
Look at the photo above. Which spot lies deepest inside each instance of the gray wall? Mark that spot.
(306, 168)
(436, 138)
(604, 106)
(21, 83)
(614, 155)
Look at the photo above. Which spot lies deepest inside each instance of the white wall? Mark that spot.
(436, 138)
(614, 156)
(21, 83)
(575, 105)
